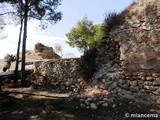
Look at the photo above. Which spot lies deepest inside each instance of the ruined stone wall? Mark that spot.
(139, 36)
(63, 74)
(135, 72)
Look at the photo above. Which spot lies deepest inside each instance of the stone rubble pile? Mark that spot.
(94, 102)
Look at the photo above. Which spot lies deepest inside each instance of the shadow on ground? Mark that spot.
(31, 104)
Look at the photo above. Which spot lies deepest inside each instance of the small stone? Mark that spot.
(95, 81)
(82, 105)
(146, 28)
(87, 107)
(152, 110)
(105, 99)
(142, 74)
(152, 88)
(82, 96)
(129, 96)
(89, 99)
(128, 74)
(105, 105)
(134, 89)
(118, 89)
(100, 98)
(155, 75)
(135, 25)
(109, 65)
(114, 85)
(158, 101)
(100, 102)
(158, 90)
(103, 86)
(157, 82)
(81, 100)
(86, 102)
(75, 90)
(103, 80)
(114, 105)
(133, 83)
(149, 78)
(93, 106)
(122, 27)
(126, 86)
(148, 83)
(121, 81)
(108, 83)
(143, 78)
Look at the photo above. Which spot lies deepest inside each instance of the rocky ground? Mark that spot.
(35, 103)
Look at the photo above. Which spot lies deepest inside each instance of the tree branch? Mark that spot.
(7, 13)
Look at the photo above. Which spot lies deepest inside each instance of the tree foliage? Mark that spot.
(85, 34)
(44, 10)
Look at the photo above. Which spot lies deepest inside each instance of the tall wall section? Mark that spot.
(133, 70)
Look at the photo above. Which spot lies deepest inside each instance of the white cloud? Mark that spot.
(9, 44)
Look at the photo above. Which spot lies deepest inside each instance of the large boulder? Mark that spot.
(41, 52)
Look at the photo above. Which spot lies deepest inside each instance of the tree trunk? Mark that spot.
(19, 44)
(18, 49)
(24, 43)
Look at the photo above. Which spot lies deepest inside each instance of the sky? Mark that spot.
(72, 10)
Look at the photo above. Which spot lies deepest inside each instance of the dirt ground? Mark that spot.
(37, 104)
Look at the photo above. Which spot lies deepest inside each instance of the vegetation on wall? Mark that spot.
(112, 19)
(88, 64)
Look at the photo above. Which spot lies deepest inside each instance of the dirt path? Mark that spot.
(28, 104)
(33, 104)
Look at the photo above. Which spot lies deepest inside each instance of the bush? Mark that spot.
(88, 64)
(112, 19)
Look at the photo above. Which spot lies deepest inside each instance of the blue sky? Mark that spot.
(73, 10)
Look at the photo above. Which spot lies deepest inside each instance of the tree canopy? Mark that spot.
(44, 10)
(85, 34)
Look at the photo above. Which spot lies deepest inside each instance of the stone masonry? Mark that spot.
(134, 73)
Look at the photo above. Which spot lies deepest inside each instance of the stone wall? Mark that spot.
(63, 74)
(131, 67)
(139, 36)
